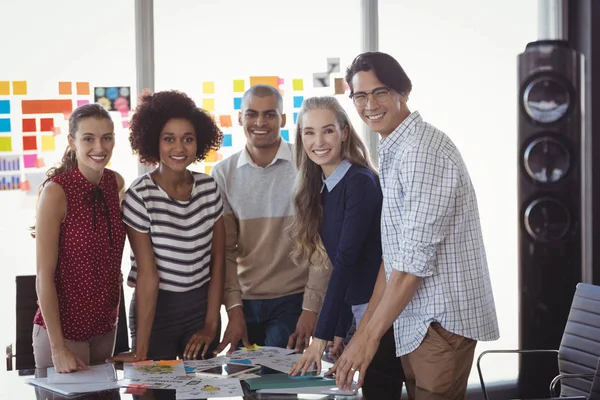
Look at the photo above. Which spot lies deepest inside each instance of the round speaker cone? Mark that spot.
(546, 160)
(546, 100)
(547, 219)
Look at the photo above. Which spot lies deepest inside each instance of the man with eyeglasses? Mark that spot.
(434, 286)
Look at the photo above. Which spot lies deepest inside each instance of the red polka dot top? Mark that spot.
(88, 273)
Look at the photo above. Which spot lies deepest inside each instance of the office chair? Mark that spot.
(579, 349)
(26, 307)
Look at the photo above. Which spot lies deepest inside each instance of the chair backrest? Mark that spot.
(26, 307)
(580, 346)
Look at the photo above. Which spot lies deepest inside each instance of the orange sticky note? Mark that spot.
(19, 87)
(265, 80)
(4, 88)
(56, 130)
(25, 186)
(167, 363)
(65, 88)
(145, 362)
(39, 162)
(225, 121)
(83, 88)
(207, 169)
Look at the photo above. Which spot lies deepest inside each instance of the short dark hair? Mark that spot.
(385, 68)
(264, 91)
(152, 114)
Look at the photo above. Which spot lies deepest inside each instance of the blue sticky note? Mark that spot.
(4, 124)
(237, 103)
(4, 106)
(298, 101)
(295, 117)
(285, 134)
(189, 369)
(227, 140)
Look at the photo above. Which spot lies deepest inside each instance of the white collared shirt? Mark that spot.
(283, 153)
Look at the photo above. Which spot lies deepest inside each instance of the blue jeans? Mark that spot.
(270, 322)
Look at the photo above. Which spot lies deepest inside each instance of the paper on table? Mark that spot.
(153, 369)
(192, 365)
(210, 388)
(94, 374)
(282, 363)
(262, 353)
(162, 382)
(69, 389)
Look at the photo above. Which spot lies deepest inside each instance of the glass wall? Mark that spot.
(54, 55)
(461, 58)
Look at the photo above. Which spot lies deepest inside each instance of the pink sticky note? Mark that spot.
(145, 362)
(280, 81)
(82, 102)
(29, 160)
(126, 124)
(124, 113)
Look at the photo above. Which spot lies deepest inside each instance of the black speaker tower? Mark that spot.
(549, 195)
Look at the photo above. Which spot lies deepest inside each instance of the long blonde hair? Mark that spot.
(308, 211)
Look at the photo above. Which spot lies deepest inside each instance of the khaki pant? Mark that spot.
(93, 351)
(439, 368)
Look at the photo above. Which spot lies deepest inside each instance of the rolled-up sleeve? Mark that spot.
(428, 181)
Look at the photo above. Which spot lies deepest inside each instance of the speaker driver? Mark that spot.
(546, 160)
(546, 100)
(547, 219)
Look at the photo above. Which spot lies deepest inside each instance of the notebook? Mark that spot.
(281, 381)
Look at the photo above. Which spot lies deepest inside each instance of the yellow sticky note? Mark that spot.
(252, 348)
(5, 143)
(239, 85)
(207, 169)
(4, 88)
(208, 87)
(208, 104)
(19, 87)
(48, 143)
(298, 84)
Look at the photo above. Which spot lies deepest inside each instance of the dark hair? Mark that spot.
(263, 91)
(69, 159)
(152, 114)
(385, 68)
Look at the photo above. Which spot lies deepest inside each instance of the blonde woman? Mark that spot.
(337, 222)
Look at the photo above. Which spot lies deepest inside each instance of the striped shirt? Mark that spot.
(181, 231)
(430, 228)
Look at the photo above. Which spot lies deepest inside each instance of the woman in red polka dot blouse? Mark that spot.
(79, 244)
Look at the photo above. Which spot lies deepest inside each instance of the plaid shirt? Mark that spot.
(430, 228)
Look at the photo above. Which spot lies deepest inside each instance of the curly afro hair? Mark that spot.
(152, 114)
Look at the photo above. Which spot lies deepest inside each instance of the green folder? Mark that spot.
(282, 381)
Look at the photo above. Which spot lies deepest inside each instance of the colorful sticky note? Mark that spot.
(227, 140)
(83, 88)
(48, 143)
(208, 104)
(25, 186)
(47, 106)
(252, 348)
(4, 88)
(298, 84)
(225, 121)
(295, 117)
(239, 85)
(207, 169)
(167, 363)
(29, 125)
(265, 80)
(46, 124)
(285, 134)
(19, 87)
(39, 163)
(29, 143)
(4, 106)
(56, 130)
(145, 362)
(82, 102)
(281, 81)
(65, 88)
(298, 101)
(5, 143)
(126, 124)
(29, 160)
(208, 87)
(4, 124)
(244, 362)
(237, 103)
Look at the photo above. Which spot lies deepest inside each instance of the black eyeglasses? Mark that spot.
(380, 94)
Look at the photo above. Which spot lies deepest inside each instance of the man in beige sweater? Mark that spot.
(269, 299)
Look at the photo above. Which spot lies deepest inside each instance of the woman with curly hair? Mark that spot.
(176, 232)
(79, 237)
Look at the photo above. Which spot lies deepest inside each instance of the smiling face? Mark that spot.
(93, 144)
(322, 138)
(379, 106)
(177, 144)
(262, 119)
